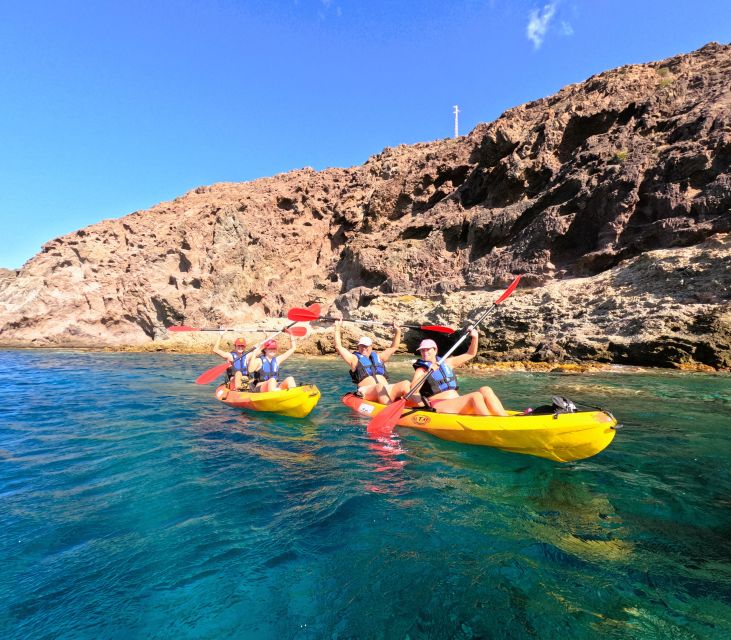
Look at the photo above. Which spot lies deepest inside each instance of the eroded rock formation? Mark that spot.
(610, 197)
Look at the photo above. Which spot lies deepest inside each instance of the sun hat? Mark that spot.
(240, 342)
(365, 341)
(427, 344)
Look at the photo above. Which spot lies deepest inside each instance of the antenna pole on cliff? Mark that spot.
(456, 121)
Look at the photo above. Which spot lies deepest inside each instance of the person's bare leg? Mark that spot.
(268, 385)
(288, 383)
(400, 389)
(384, 394)
(370, 392)
(493, 402)
(470, 404)
(390, 392)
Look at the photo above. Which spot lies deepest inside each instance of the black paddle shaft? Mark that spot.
(374, 322)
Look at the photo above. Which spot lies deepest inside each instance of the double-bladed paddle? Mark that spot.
(306, 315)
(382, 424)
(298, 332)
(212, 374)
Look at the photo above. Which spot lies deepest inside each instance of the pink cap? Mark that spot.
(427, 344)
(270, 344)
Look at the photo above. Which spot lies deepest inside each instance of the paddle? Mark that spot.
(306, 315)
(293, 331)
(382, 424)
(212, 374)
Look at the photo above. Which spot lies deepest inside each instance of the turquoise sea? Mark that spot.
(134, 505)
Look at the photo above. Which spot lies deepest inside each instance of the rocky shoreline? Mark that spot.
(612, 198)
(476, 367)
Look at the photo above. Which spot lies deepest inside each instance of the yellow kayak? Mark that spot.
(557, 436)
(296, 403)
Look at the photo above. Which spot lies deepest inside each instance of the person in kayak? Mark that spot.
(440, 389)
(264, 367)
(239, 369)
(368, 368)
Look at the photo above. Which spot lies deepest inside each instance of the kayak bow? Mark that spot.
(562, 437)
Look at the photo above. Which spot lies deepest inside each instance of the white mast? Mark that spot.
(456, 121)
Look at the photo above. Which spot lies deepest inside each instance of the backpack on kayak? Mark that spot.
(559, 404)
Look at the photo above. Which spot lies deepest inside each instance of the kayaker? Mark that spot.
(440, 389)
(368, 368)
(239, 369)
(264, 366)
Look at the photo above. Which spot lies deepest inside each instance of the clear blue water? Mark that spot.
(133, 505)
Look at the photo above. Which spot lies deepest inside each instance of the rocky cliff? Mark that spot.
(612, 197)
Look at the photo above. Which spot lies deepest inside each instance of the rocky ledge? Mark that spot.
(612, 198)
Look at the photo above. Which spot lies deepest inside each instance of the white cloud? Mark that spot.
(538, 24)
(566, 29)
(328, 4)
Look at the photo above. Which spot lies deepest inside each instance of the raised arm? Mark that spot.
(252, 359)
(344, 353)
(220, 352)
(248, 359)
(288, 352)
(458, 361)
(387, 353)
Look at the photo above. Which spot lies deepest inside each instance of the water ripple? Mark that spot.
(134, 505)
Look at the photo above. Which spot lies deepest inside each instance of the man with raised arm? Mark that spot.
(368, 368)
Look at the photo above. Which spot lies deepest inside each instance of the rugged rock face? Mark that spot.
(663, 308)
(612, 197)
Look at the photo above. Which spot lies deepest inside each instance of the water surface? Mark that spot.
(133, 505)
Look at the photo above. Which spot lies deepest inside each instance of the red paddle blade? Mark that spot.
(299, 314)
(509, 290)
(212, 374)
(382, 424)
(298, 332)
(182, 327)
(314, 308)
(437, 328)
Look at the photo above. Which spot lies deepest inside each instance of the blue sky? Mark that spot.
(110, 107)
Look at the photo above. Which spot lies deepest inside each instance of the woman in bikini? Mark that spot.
(440, 389)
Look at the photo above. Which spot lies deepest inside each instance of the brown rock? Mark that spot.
(580, 192)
